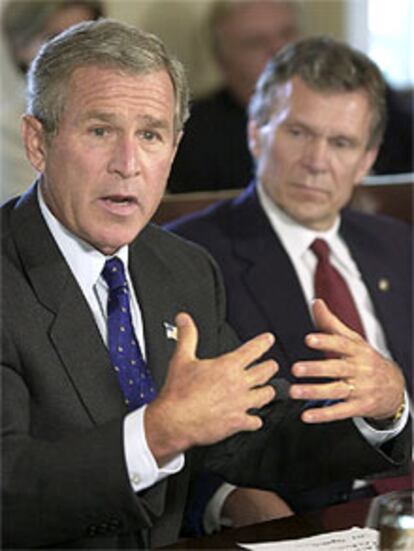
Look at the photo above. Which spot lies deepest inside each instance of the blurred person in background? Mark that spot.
(26, 25)
(213, 153)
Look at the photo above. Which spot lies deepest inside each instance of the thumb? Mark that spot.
(327, 322)
(187, 337)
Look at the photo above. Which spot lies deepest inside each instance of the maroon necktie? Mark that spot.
(332, 288)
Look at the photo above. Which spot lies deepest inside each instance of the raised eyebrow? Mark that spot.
(98, 116)
(153, 122)
(147, 120)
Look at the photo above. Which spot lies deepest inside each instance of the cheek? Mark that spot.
(156, 177)
(277, 159)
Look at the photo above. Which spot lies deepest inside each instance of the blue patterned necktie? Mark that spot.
(133, 374)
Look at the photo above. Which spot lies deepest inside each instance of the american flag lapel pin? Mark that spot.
(170, 331)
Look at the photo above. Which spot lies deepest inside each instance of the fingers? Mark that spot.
(336, 345)
(337, 390)
(251, 350)
(259, 397)
(333, 369)
(252, 423)
(262, 396)
(260, 374)
(337, 412)
(187, 337)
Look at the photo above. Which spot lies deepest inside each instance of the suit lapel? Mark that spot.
(381, 280)
(156, 296)
(281, 304)
(73, 332)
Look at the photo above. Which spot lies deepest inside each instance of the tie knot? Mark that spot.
(114, 273)
(321, 248)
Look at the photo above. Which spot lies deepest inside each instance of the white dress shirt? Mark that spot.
(296, 240)
(86, 265)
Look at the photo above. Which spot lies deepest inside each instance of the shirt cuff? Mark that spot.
(213, 520)
(376, 437)
(142, 468)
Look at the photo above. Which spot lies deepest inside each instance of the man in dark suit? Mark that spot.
(106, 385)
(315, 125)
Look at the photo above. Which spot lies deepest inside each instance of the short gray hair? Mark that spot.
(325, 65)
(104, 43)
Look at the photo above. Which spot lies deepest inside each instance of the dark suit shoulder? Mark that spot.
(374, 230)
(375, 220)
(5, 214)
(173, 246)
(182, 260)
(203, 225)
(226, 223)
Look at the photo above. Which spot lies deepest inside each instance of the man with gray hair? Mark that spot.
(116, 357)
(316, 122)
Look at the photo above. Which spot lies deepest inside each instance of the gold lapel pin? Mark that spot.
(383, 284)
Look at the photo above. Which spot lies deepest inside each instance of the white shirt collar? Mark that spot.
(85, 262)
(295, 238)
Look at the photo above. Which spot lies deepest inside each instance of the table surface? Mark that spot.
(338, 517)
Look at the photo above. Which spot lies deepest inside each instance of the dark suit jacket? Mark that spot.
(263, 290)
(64, 478)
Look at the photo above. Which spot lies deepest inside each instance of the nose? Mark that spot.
(124, 159)
(315, 157)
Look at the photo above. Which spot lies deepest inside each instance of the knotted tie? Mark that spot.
(134, 377)
(332, 288)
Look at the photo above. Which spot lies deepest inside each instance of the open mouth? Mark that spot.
(120, 199)
(120, 204)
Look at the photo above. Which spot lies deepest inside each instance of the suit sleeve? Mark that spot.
(288, 455)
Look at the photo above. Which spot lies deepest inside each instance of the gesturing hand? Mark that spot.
(366, 383)
(204, 401)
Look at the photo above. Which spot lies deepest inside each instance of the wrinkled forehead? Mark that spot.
(103, 89)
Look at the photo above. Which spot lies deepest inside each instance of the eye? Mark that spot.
(150, 135)
(296, 131)
(99, 131)
(341, 143)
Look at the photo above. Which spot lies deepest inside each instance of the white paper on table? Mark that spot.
(354, 539)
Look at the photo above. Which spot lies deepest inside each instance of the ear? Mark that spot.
(366, 163)
(34, 141)
(253, 138)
